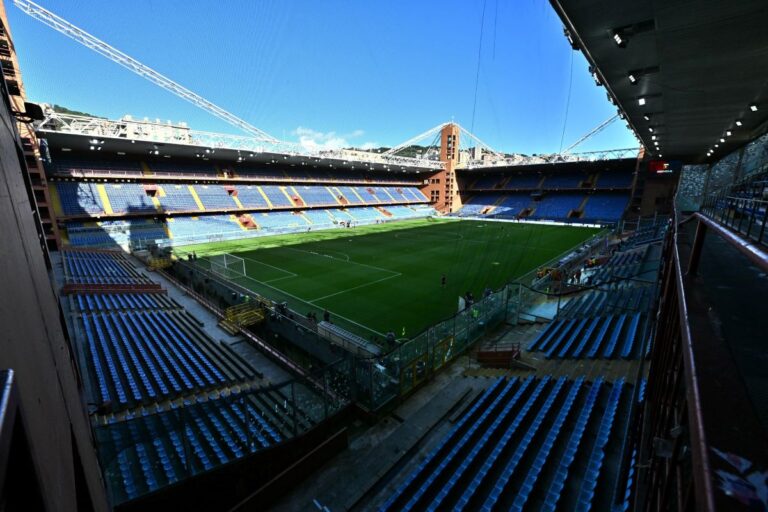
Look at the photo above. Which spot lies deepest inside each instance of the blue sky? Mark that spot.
(334, 72)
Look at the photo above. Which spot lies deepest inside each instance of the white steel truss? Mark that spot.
(602, 126)
(63, 26)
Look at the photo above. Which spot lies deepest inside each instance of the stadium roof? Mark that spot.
(66, 133)
(698, 67)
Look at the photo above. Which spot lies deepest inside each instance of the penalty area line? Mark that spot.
(270, 266)
(354, 288)
(377, 333)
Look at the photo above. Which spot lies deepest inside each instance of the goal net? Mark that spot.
(227, 265)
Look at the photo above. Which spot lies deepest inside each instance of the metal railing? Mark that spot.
(232, 177)
(747, 216)
(695, 411)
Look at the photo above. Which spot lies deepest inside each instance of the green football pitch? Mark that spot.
(373, 279)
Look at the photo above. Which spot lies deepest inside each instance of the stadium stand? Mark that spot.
(512, 205)
(551, 195)
(523, 181)
(177, 198)
(556, 206)
(170, 401)
(609, 319)
(607, 336)
(181, 230)
(251, 197)
(79, 198)
(614, 179)
(80, 201)
(214, 197)
(101, 268)
(538, 443)
(111, 233)
(128, 197)
(69, 168)
(605, 207)
(477, 205)
(142, 357)
(565, 180)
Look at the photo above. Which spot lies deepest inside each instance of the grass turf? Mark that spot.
(373, 279)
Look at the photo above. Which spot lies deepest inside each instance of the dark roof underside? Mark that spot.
(699, 63)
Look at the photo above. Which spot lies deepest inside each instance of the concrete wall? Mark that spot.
(33, 344)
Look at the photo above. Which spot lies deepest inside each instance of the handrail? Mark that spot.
(750, 199)
(755, 253)
(700, 455)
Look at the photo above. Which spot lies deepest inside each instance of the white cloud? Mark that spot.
(316, 140)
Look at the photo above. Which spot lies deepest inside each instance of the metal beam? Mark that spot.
(64, 27)
(597, 129)
(413, 140)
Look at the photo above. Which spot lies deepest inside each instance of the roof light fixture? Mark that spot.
(728, 133)
(620, 41)
(595, 76)
(632, 79)
(753, 107)
(647, 117)
(641, 101)
(738, 123)
(722, 139)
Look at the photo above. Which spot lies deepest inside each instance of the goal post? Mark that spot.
(227, 265)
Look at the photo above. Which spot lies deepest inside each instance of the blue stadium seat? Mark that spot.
(594, 466)
(500, 444)
(546, 448)
(613, 340)
(561, 474)
(523, 446)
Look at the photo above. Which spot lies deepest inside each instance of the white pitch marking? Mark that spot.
(355, 288)
(271, 266)
(278, 279)
(377, 333)
(347, 261)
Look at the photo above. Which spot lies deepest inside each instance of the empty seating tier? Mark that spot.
(114, 232)
(181, 230)
(573, 195)
(606, 336)
(607, 207)
(100, 199)
(556, 206)
(142, 357)
(100, 268)
(146, 453)
(525, 444)
(96, 303)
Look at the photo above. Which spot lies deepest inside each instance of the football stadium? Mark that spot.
(198, 315)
